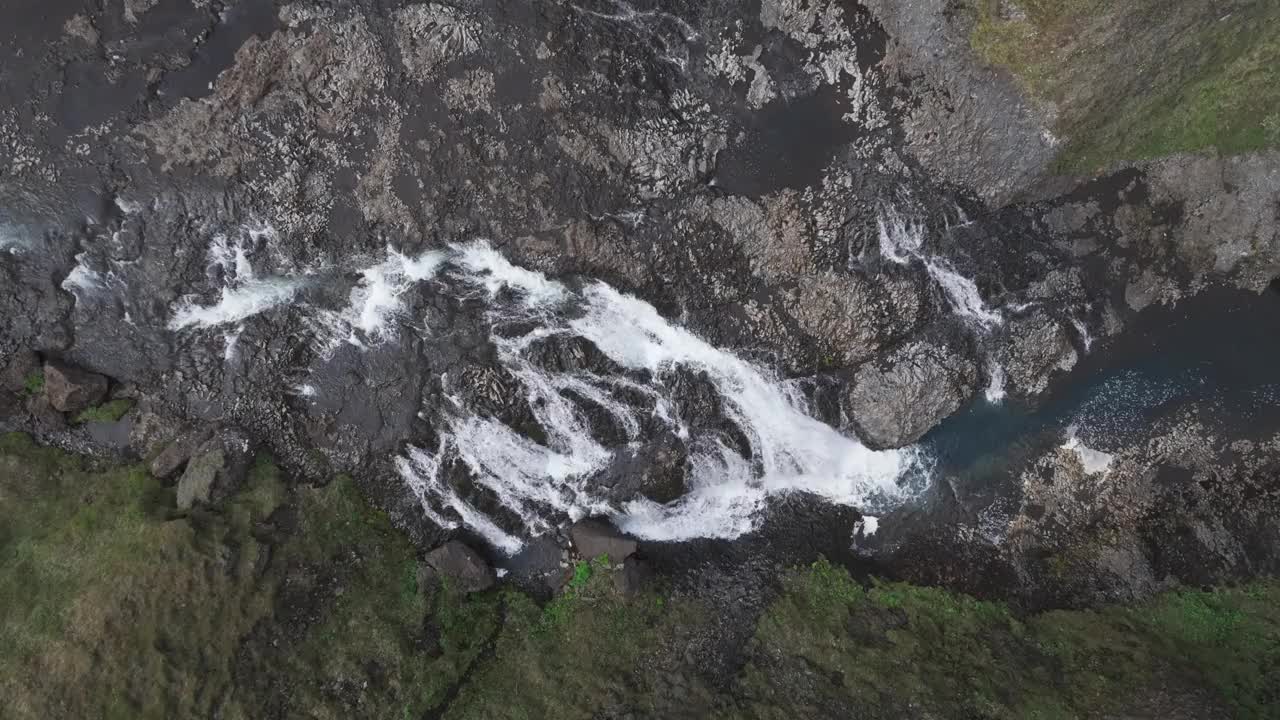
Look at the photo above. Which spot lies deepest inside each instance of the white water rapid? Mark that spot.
(538, 483)
(725, 489)
(902, 241)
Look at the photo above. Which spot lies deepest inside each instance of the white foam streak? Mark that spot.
(235, 304)
(995, 392)
(82, 280)
(902, 240)
(1094, 462)
(494, 272)
(789, 450)
(963, 294)
(1085, 338)
(376, 301)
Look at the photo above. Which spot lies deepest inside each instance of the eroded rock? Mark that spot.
(895, 401)
(178, 452)
(71, 389)
(464, 568)
(18, 371)
(594, 538)
(216, 469)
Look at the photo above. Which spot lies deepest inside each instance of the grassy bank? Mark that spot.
(1143, 78)
(306, 603)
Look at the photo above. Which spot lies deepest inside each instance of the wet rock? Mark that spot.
(593, 538)
(113, 434)
(655, 470)
(71, 389)
(17, 371)
(178, 452)
(570, 353)
(971, 125)
(538, 564)
(462, 566)
(1036, 347)
(216, 469)
(631, 579)
(895, 401)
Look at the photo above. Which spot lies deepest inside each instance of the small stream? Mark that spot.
(1219, 350)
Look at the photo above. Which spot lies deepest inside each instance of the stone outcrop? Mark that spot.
(71, 389)
(464, 568)
(894, 402)
(215, 469)
(593, 538)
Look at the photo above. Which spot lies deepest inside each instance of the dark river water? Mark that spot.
(1219, 350)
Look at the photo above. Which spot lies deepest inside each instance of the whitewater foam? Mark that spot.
(1083, 331)
(375, 303)
(235, 304)
(1094, 462)
(902, 240)
(789, 451)
(83, 280)
(995, 392)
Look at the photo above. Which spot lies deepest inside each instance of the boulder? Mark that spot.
(15, 371)
(632, 578)
(593, 538)
(895, 401)
(71, 389)
(177, 453)
(1035, 348)
(216, 469)
(655, 470)
(463, 567)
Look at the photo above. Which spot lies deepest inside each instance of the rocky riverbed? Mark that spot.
(753, 282)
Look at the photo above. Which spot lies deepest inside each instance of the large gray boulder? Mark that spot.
(895, 401)
(1035, 349)
(177, 453)
(71, 389)
(593, 538)
(465, 569)
(216, 469)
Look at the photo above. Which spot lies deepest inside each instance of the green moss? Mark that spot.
(106, 412)
(893, 645)
(1143, 79)
(586, 654)
(391, 648)
(97, 589)
(306, 603)
(33, 383)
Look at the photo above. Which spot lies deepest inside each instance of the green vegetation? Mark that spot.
(307, 603)
(959, 657)
(1143, 78)
(106, 412)
(33, 383)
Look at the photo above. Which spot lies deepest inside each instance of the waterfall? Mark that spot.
(788, 450)
(902, 241)
(774, 445)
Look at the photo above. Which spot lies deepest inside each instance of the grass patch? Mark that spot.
(1142, 79)
(33, 383)
(894, 647)
(106, 412)
(305, 602)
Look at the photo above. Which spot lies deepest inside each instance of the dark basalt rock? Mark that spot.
(655, 470)
(178, 452)
(593, 538)
(631, 579)
(71, 389)
(18, 369)
(464, 567)
(893, 403)
(216, 469)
